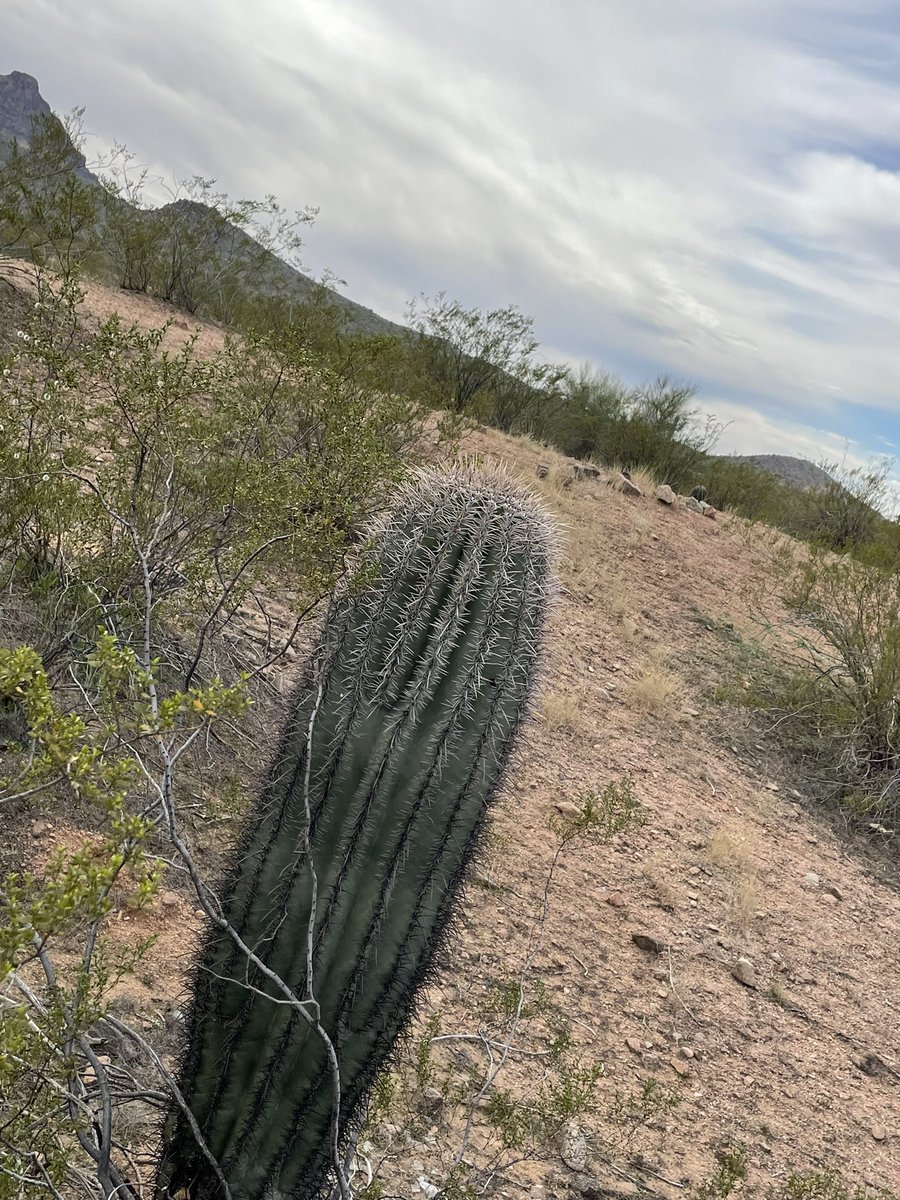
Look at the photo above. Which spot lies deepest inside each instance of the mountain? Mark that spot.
(21, 101)
(796, 472)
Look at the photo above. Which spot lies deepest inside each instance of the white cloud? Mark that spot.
(704, 188)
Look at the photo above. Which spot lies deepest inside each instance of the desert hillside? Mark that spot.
(734, 946)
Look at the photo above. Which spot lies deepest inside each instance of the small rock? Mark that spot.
(693, 505)
(38, 828)
(586, 470)
(566, 808)
(879, 1133)
(429, 1189)
(385, 1132)
(168, 899)
(543, 470)
(811, 881)
(664, 494)
(651, 944)
(686, 1052)
(615, 900)
(628, 486)
(432, 1099)
(832, 890)
(573, 1146)
(680, 1067)
(633, 1044)
(745, 972)
(710, 512)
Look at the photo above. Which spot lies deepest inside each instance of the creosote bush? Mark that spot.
(151, 493)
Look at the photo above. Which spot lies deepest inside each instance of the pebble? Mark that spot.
(573, 1146)
(633, 1045)
(879, 1133)
(680, 1067)
(652, 945)
(745, 972)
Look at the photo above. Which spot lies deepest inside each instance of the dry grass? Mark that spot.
(630, 630)
(639, 475)
(731, 849)
(744, 901)
(647, 482)
(731, 846)
(562, 711)
(657, 871)
(618, 597)
(655, 688)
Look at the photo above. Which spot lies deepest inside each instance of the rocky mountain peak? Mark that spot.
(20, 101)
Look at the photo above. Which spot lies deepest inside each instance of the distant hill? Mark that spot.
(797, 472)
(21, 101)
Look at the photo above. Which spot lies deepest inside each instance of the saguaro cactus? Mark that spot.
(398, 740)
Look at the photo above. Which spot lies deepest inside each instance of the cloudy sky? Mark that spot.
(709, 188)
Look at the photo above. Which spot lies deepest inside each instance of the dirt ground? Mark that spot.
(800, 1061)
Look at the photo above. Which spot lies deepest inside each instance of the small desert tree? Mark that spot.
(48, 206)
(484, 363)
(213, 251)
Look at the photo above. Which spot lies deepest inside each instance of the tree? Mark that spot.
(48, 205)
(214, 252)
(847, 511)
(131, 232)
(483, 362)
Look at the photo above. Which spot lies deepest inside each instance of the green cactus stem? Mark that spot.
(353, 860)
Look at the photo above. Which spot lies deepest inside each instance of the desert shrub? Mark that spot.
(127, 464)
(827, 1185)
(484, 363)
(48, 209)
(836, 698)
(846, 513)
(747, 489)
(854, 665)
(653, 427)
(146, 492)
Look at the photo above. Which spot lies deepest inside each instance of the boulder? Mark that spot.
(584, 470)
(628, 486)
(693, 505)
(664, 494)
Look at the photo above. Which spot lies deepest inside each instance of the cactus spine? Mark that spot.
(398, 740)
